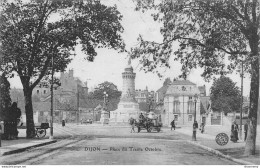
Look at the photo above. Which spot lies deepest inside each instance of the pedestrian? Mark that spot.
(14, 118)
(173, 124)
(246, 129)
(195, 127)
(141, 118)
(234, 132)
(202, 127)
(132, 123)
(1, 130)
(63, 123)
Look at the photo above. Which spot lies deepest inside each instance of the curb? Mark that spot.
(216, 152)
(25, 148)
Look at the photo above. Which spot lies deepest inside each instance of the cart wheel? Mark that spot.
(158, 129)
(139, 129)
(149, 129)
(41, 133)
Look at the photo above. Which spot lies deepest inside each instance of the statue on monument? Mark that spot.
(129, 60)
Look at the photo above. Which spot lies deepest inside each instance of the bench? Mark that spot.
(40, 130)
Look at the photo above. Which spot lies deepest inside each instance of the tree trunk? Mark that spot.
(30, 132)
(254, 94)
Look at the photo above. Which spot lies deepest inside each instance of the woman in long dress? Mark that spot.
(234, 132)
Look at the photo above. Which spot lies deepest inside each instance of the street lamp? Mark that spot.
(52, 73)
(150, 103)
(195, 124)
(241, 107)
(105, 100)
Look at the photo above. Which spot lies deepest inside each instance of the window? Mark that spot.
(176, 105)
(191, 107)
(176, 117)
(41, 113)
(190, 118)
(190, 98)
(37, 91)
(44, 92)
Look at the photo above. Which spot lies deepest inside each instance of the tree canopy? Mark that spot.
(225, 95)
(5, 99)
(109, 88)
(31, 33)
(214, 35)
(112, 92)
(35, 32)
(208, 33)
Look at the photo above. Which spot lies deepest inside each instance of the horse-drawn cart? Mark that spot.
(149, 123)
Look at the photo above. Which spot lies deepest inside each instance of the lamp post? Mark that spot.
(150, 103)
(241, 106)
(52, 73)
(195, 124)
(77, 105)
(105, 100)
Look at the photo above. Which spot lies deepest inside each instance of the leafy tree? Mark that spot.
(113, 94)
(215, 35)
(109, 88)
(225, 95)
(5, 99)
(33, 32)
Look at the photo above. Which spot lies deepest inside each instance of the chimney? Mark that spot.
(71, 73)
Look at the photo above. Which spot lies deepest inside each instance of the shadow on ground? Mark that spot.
(236, 153)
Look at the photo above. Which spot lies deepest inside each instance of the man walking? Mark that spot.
(63, 123)
(195, 127)
(132, 123)
(173, 124)
(202, 127)
(245, 129)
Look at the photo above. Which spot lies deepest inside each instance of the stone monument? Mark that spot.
(128, 106)
(104, 118)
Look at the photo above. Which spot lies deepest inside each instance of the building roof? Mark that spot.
(161, 92)
(177, 90)
(182, 82)
(89, 103)
(163, 89)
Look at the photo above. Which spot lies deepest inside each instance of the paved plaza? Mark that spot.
(95, 144)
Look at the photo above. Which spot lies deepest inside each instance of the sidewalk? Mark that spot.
(22, 144)
(232, 149)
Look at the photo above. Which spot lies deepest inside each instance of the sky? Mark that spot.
(109, 64)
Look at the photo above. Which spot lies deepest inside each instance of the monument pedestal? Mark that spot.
(104, 118)
(125, 111)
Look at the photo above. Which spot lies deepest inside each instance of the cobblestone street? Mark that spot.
(97, 144)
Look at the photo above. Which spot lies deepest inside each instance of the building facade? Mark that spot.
(67, 105)
(142, 96)
(181, 104)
